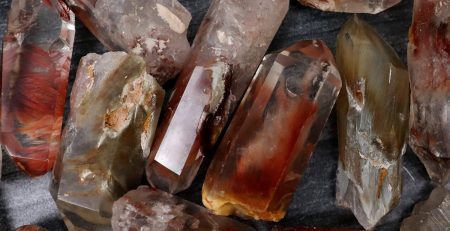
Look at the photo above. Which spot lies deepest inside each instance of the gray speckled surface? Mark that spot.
(27, 201)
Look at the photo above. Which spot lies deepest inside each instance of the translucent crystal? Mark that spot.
(115, 107)
(373, 111)
(227, 50)
(153, 29)
(351, 6)
(429, 67)
(150, 209)
(267, 147)
(37, 50)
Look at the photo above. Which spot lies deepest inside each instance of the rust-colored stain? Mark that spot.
(383, 174)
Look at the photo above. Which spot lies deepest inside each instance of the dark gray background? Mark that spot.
(27, 201)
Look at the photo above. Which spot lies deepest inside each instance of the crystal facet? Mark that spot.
(229, 45)
(37, 50)
(267, 147)
(429, 66)
(351, 6)
(432, 214)
(150, 209)
(153, 29)
(115, 107)
(373, 111)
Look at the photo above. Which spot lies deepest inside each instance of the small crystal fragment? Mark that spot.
(115, 108)
(351, 6)
(30, 228)
(267, 147)
(37, 50)
(150, 209)
(429, 67)
(373, 111)
(230, 44)
(153, 29)
(432, 214)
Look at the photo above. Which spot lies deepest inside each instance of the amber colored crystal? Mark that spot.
(266, 149)
(151, 209)
(115, 108)
(37, 50)
(351, 6)
(153, 29)
(373, 111)
(228, 47)
(429, 68)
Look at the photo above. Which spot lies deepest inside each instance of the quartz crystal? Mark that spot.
(373, 111)
(150, 209)
(267, 147)
(30, 228)
(432, 214)
(230, 44)
(37, 50)
(153, 29)
(429, 67)
(115, 107)
(351, 6)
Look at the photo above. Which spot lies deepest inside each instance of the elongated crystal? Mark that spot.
(429, 68)
(115, 107)
(267, 147)
(153, 29)
(151, 209)
(351, 6)
(228, 47)
(373, 111)
(37, 50)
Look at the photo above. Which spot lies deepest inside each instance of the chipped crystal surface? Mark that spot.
(373, 111)
(37, 50)
(229, 45)
(153, 29)
(351, 6)
(115, 107)
(429, 67)
(432, 214)
(267, 147)
(151, 209)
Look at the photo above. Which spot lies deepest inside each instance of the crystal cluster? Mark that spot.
(150, 209)
(37, 50)
(373, 111)
(230, 44)
(153, 29)
(351, 6)
(267, 147)
(115, 107)
(432, 214)
(429, 66)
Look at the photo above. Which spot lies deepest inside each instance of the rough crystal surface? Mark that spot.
(373, 111)
(229, 45)
(151, 209)
(429, 66)
(267, 147)
(115, 107)
(351, 6)
(153, 29)
(432, 214)
(37, 50)
(30, 228)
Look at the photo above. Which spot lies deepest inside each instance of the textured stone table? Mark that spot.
(27, 201)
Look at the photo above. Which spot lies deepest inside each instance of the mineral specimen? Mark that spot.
(430, 215)
(30, 228)
(230, 43)
(351, 6)
(373, 113)
(429, 66)
(37, 50)
(267, 147)
(150, 209)
(153, 29)
(115, 107)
